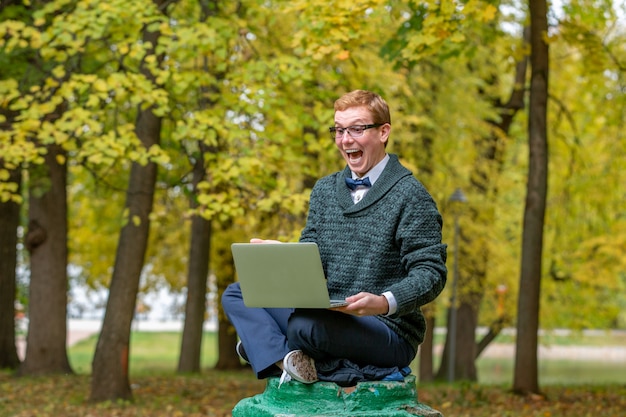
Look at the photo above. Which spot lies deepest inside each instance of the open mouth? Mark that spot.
(354, 154)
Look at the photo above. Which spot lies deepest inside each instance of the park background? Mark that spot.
(138, 140)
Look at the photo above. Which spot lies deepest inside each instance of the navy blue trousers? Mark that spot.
(268, 334)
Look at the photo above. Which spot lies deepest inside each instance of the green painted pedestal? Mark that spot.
(326, 399)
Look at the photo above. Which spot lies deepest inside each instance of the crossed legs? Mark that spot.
(268, 334)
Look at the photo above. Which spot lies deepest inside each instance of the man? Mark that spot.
(379, 236)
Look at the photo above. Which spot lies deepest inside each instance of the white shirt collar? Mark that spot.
(375, 172)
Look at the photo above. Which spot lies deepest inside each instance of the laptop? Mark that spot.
(282, 275)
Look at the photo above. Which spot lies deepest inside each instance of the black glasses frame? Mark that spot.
(334, 131)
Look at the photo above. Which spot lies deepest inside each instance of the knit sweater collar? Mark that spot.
(393, 172)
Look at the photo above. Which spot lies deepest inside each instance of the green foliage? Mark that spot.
(248, 90)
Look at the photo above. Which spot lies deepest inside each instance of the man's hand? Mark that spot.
(257, 240)
(365, 304)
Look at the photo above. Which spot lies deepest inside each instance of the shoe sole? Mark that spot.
(242, 353)
(300, 367)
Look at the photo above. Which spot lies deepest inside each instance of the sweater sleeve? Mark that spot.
(309, 233)
(422, 252)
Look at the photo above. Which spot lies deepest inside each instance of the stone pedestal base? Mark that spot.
(326, 399)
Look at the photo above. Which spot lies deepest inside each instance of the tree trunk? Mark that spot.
(227, 340)
(110, 363)
(525, 379)
(46, 240)
(227, 336)
(471, 276)
(465, 366)
(9, 222)
(200, 245)
(195, 308)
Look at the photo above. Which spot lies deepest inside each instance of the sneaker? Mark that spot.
(241, 352)
(300, 367)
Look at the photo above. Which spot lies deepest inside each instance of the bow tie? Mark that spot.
(352, 184)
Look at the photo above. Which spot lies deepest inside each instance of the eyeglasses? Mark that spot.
(354, 131)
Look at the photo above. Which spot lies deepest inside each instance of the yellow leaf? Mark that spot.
(95, 158)
(58, 71)
(343, 55)
(100, 86)
(51, 83)
(457, 37)
(60, 159)
(136, 220)
(489, 13)
(92, 101)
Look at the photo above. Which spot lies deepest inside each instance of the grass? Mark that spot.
(212, 394)
(150, 352)
(571, 388)
(157, 353)
(555, 372)
(561, 338)
(557, 338)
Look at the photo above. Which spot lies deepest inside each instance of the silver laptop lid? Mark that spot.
(281, 275)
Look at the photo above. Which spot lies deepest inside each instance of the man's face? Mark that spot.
(364, 152)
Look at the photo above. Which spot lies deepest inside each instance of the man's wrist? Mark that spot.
(393, 304)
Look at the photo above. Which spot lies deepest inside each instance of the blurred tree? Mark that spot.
(584, 251)
(110, 379)
(29, 87)
(10, 203)
(526, 374)
(475, 250)
(453, 58)
(10, 215)
(200, 243)
(46, 241)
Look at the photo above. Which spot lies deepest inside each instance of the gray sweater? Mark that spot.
(389, 241)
